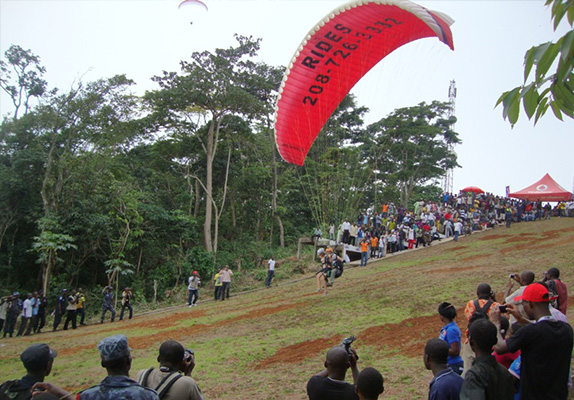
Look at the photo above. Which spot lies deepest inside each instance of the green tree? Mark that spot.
(413, 146)
(198, 102)
(546, 89)
(27, 82)
(48, 245)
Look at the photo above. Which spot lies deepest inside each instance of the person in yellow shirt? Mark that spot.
(218, 285)
(81, 305)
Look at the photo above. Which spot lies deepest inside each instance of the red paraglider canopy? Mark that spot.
(474, 189)
(546, 189)
(335, 55)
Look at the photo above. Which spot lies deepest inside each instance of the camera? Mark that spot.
(502, 309)
(188, 355)
(347, 344)
(512, 276)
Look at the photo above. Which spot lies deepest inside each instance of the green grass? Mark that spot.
(231, 339)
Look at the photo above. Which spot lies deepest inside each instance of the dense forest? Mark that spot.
(101, 186)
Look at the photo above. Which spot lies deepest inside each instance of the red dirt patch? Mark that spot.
(456, 248)
(299, 351)
(144, 342)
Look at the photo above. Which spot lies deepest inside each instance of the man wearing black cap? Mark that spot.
(545, 345)
(37, 360)
(12, 313)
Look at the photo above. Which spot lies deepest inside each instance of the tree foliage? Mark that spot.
(546, 89)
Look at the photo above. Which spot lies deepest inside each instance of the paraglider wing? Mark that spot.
(335, 55)
(193, 2)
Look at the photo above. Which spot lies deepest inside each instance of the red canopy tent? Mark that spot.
(546, 189)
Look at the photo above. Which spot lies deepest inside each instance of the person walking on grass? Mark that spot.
(193, 289)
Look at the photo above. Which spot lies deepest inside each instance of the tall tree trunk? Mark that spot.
(209, 188)
(274, 202)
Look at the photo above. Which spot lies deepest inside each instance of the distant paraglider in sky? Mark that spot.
(186, 3)
(335, 55)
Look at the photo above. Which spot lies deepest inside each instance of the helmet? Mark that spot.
(329, 250)
(320, 251)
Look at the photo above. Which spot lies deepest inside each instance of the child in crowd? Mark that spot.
(450, 333)
(370, 384)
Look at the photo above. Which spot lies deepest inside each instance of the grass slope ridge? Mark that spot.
(266, 344)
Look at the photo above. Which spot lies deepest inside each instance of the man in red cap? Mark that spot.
(546, 346)
(193, 289)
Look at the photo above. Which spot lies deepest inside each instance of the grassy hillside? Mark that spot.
(266, 344)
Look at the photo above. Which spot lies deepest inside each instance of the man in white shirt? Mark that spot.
(26, 314)
(457, 229)
(270, 271)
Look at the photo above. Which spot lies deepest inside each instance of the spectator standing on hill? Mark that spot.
(330, 383)
(270, 272)
(26, 315)
(71, 311)
(370, 384)
(457, 230)
(193, 289)
(172, 380)
(108, 303)
(487, 379)
(217, 285)
(346, 227)
(60, 309)
(3, 309)
(450, 334)
(33, 325)
(42, 311)
(374, 246)
(81, 305)
(545, 346)
(226, 274)
(12, 313)
(446, 383)
(127, 297)
(364, 252)
(37, 359)
(477, 309)
(555, 285)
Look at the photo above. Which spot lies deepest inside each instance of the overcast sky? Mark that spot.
(88, 40)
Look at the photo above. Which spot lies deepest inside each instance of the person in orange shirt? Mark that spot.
(364, 252)
(374, 246)
(486, 302)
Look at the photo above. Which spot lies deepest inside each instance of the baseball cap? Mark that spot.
(37, 356)
(535, 292)
(113, 347)
(194, 272)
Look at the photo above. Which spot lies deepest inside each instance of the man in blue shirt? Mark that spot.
(446, 384)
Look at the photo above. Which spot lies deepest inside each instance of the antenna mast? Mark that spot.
(447, 181)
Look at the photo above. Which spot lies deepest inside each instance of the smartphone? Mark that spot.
(502, 309)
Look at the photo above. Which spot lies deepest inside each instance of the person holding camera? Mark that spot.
(524, 279)
(330, 383)
(172, 380)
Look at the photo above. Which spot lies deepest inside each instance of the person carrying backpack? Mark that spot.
(475, 310)
(172, 380)
(37, 360)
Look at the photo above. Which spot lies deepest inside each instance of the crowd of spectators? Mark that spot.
(394, 228)
(25, 315)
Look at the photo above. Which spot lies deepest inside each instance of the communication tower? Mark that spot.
(447, 180)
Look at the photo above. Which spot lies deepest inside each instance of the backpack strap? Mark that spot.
(166, 383)
(144, 377)
(484, 308)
